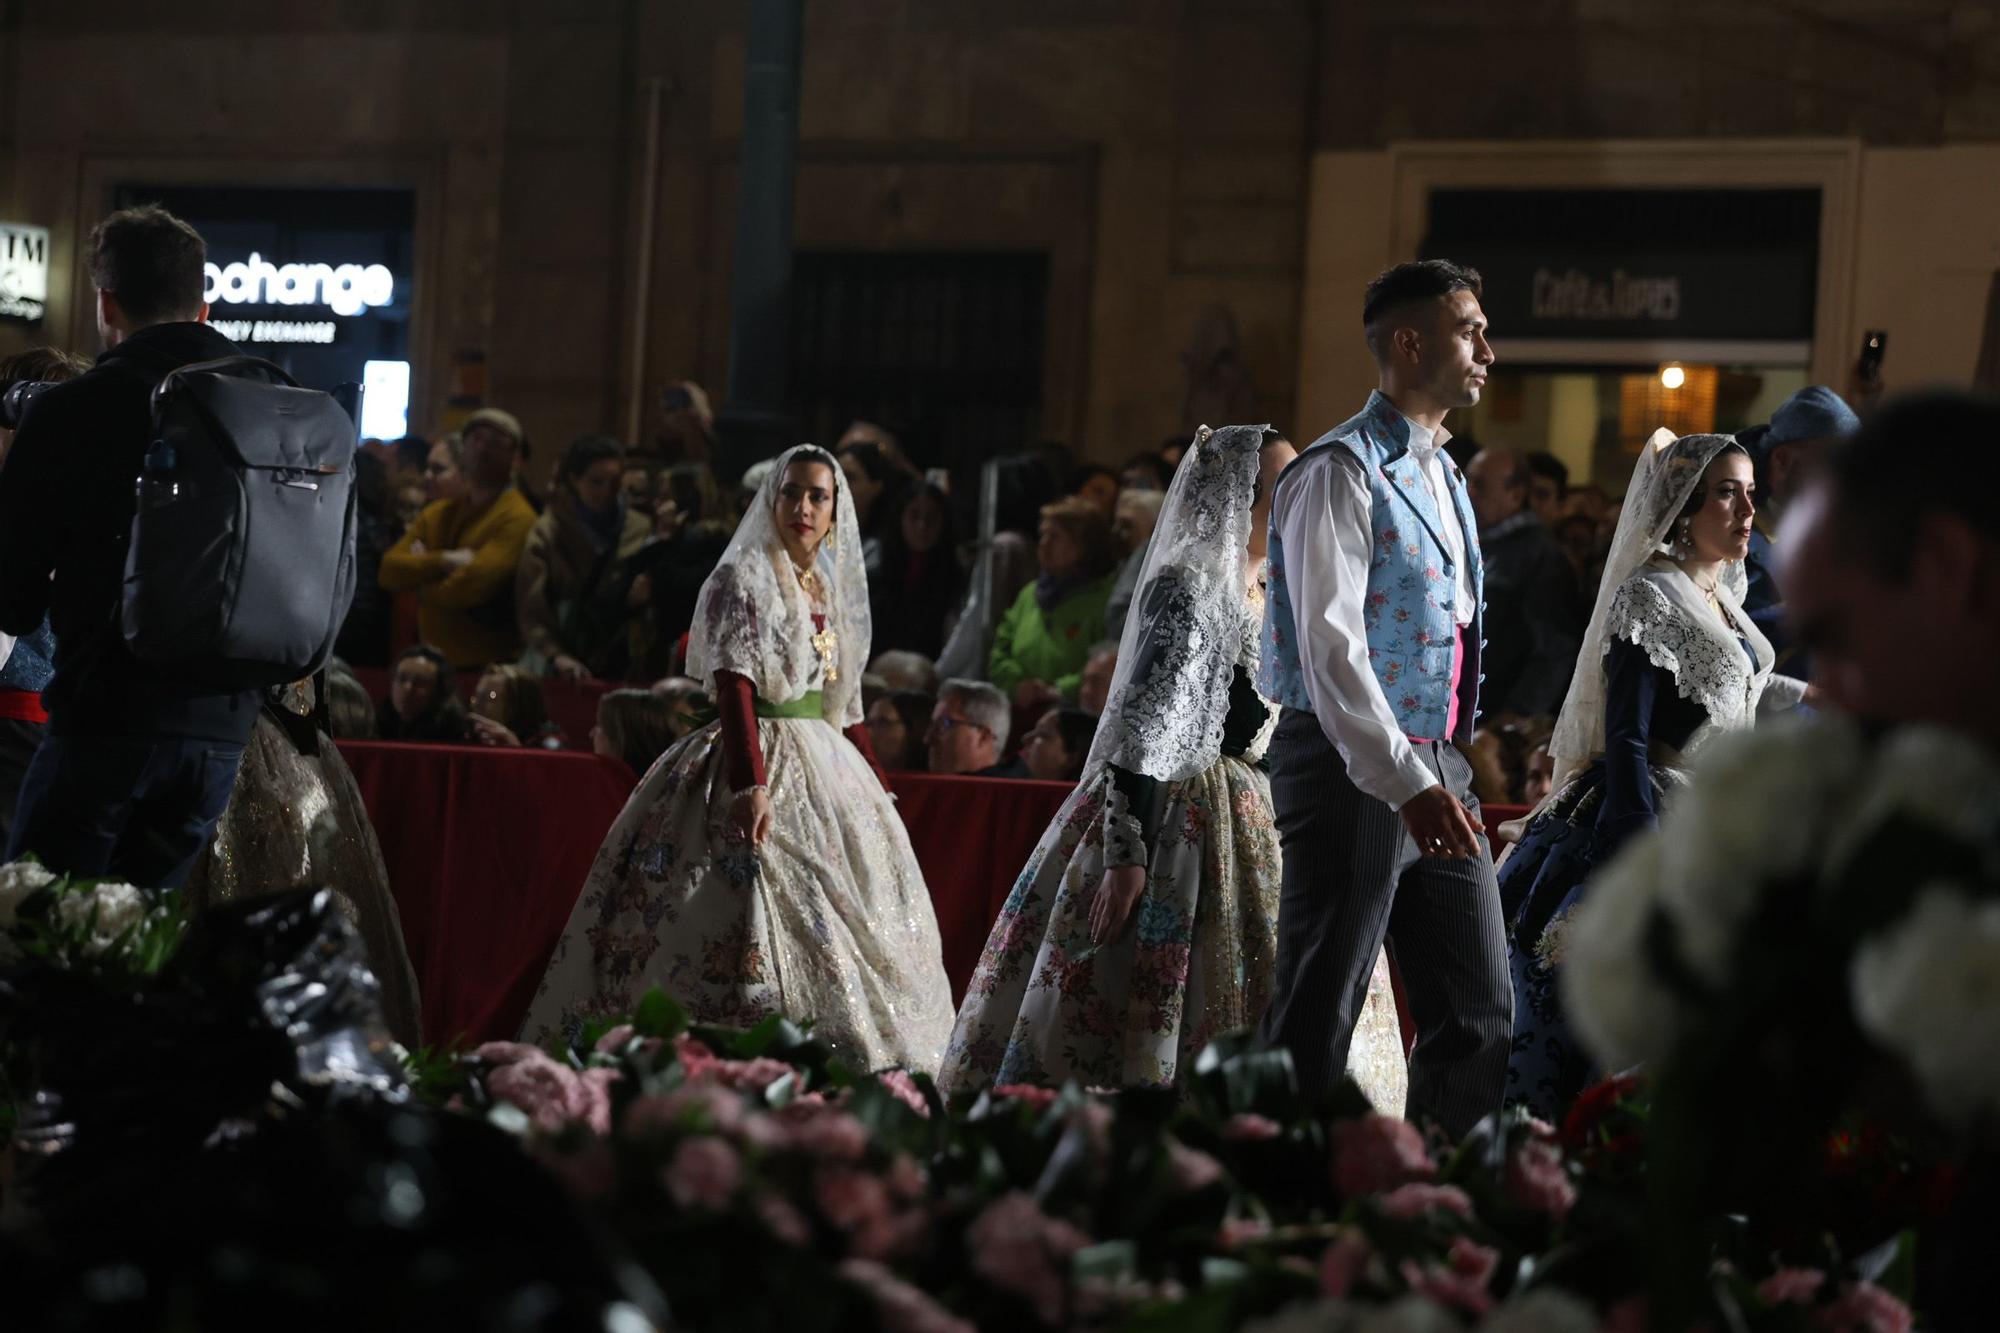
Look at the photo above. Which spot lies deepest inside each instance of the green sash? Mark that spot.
(810, 704)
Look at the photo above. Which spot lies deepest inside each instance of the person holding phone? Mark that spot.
(1782, 454)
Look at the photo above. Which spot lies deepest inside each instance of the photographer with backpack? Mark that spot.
(188, 530)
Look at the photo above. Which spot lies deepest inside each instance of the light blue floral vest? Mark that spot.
(1411, 585)
(32, 663)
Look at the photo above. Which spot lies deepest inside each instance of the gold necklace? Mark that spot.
(1709, 591)
(825, 642)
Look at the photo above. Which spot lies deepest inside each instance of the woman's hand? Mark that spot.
(457, 559)
(488, 732)
(569, 668)
(1111, 908)
(750, 817)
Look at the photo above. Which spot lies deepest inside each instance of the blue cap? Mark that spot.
(1813, 413)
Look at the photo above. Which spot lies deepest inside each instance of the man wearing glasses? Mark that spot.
(969, 730)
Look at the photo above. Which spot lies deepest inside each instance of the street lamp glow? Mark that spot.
(1672, 377)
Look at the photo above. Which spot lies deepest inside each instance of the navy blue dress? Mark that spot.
(1548, 873)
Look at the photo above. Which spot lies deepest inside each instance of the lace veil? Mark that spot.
(1189, 619)
(753, 618)
(1668, 471)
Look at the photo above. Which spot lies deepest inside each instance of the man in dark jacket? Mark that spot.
(1533, 620)
(1783, 454)
(137, 763)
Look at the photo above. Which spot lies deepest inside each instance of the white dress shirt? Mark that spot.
(1324, 516)
(6, 648)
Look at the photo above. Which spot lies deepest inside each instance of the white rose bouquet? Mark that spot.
(99, 926)
(1808, 947)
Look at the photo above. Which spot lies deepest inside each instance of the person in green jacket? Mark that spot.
(1043, 641)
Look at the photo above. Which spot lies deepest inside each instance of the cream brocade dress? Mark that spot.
(296, 820)
(829, 922)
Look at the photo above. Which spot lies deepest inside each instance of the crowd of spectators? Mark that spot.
(993, 654)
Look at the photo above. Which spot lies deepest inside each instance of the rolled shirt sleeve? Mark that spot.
(1324, 518)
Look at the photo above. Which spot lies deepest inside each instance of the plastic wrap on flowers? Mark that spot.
(268, 999)
(360, 1215)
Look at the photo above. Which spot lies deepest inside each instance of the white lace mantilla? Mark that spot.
(1189, 624)
(1665, 477)
(754, 618)
(1661, 611)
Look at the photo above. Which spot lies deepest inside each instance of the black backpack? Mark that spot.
(241, 563)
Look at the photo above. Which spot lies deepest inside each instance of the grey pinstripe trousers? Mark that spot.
(1352, 877)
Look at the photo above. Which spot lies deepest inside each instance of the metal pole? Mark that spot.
(642, 283)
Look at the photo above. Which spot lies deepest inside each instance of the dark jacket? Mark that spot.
(1534, 618)
(1765, 603)
(66, 506)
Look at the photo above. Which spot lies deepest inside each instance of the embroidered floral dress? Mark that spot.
(1045, 1005)
(829, 920)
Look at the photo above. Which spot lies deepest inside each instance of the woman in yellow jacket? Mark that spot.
(461, 554)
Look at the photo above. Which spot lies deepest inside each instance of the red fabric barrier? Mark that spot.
(572, 703)
(972, 836)
(487, 850)
(1495, 816)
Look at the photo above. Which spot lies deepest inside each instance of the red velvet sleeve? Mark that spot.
(742, 755)
(858, 734)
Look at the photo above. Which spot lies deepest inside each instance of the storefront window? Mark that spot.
(1615, 312)
(1595, 418)
(317, 280)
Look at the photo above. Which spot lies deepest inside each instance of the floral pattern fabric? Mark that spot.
(1408, 611)
(1195, 962)
(829, 921)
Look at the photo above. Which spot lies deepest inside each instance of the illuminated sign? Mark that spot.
(274, 330)
(385, 399)
(347, 289)
(24, 271)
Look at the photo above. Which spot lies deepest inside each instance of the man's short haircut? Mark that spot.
(1542, 463)
(151, 261)
(1396, 290)
(1922, 454)
(983, 705)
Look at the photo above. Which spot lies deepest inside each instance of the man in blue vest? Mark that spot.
(1371, 647)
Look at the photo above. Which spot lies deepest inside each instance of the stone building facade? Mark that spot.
(574, 164)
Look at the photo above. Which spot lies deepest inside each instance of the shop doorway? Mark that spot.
(1616, 312)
